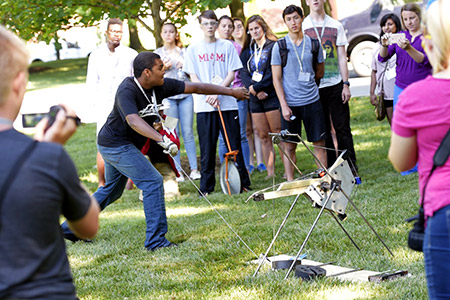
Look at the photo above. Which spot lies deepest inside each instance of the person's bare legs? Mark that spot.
(389, 114)
(321, 153)
(100, 169)
(289, 148)
(265, 123)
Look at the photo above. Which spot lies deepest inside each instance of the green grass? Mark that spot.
(210, 263)
(57, 73)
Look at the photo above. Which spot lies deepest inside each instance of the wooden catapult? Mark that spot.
(328, 189)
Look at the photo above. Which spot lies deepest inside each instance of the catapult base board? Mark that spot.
(342, 273)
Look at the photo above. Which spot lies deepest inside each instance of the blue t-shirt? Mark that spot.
(298, 93)
(130, 100)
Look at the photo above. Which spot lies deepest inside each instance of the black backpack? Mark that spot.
(284, 51)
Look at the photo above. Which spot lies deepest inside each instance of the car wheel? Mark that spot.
(361, 58)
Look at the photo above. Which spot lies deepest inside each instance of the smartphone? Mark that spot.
(395, 38)
(31, 120)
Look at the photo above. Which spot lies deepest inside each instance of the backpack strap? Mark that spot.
(283, 51)
(315, 47)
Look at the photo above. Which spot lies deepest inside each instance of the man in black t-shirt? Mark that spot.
(127, 129)
(33, 195)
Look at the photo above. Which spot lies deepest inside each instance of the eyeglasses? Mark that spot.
(115, 32)
(212, 23)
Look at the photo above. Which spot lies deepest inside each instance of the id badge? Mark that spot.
(302, 76)
(390, 73)
(217, 80)
(324, 54)
(257, 76)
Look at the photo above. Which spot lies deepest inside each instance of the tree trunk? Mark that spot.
(135, 43)
(305, 8)
(157, 23)
(237, 9)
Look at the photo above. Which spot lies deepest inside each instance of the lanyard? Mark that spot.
(323, 30)
(257, 55)
(296, 53)
(145, 95)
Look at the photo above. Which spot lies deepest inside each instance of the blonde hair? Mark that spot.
(13, 60)
(437, 25)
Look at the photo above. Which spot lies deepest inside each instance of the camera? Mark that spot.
(31, 120)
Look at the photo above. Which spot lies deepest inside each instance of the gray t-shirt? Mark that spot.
(298, 93)
(33, 259)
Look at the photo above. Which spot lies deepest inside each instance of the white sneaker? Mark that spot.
(195, 174)
(181, 178)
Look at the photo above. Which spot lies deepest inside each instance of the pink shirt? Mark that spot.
(423, 111)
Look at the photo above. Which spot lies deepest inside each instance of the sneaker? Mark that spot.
(180, 179)
(261, 167)
(195, 175)
(250, 169)
(73, 238)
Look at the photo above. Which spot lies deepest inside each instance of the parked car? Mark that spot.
(42, 52)
(363, 31)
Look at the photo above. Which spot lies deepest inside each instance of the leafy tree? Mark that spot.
(40, 19)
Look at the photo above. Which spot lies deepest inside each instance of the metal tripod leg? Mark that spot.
(311, 229)
(276, 235)
(345, 231)
(289, 159)
(367, 222)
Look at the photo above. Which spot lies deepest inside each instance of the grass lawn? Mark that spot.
(211, 263)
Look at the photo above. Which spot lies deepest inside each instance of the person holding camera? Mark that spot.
(382, 79)
(127, 129)
(38, 183)
(412, 61)
(295, 84)
(421, 121)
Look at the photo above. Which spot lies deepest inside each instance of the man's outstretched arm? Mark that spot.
(212, 89)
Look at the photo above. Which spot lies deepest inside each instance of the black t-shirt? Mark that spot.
(130, 100)
(33, 260)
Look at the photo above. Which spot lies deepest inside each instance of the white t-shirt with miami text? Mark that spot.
(209, 60)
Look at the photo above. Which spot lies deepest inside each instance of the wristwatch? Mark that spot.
(346, 83)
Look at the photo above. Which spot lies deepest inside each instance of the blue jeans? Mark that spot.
(242, 112)
(436, 251)
(128, 162)
(397, 92)
(183, 110)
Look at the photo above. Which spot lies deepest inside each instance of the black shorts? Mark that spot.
(388, 103)
(313, 120)
(262, 106)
